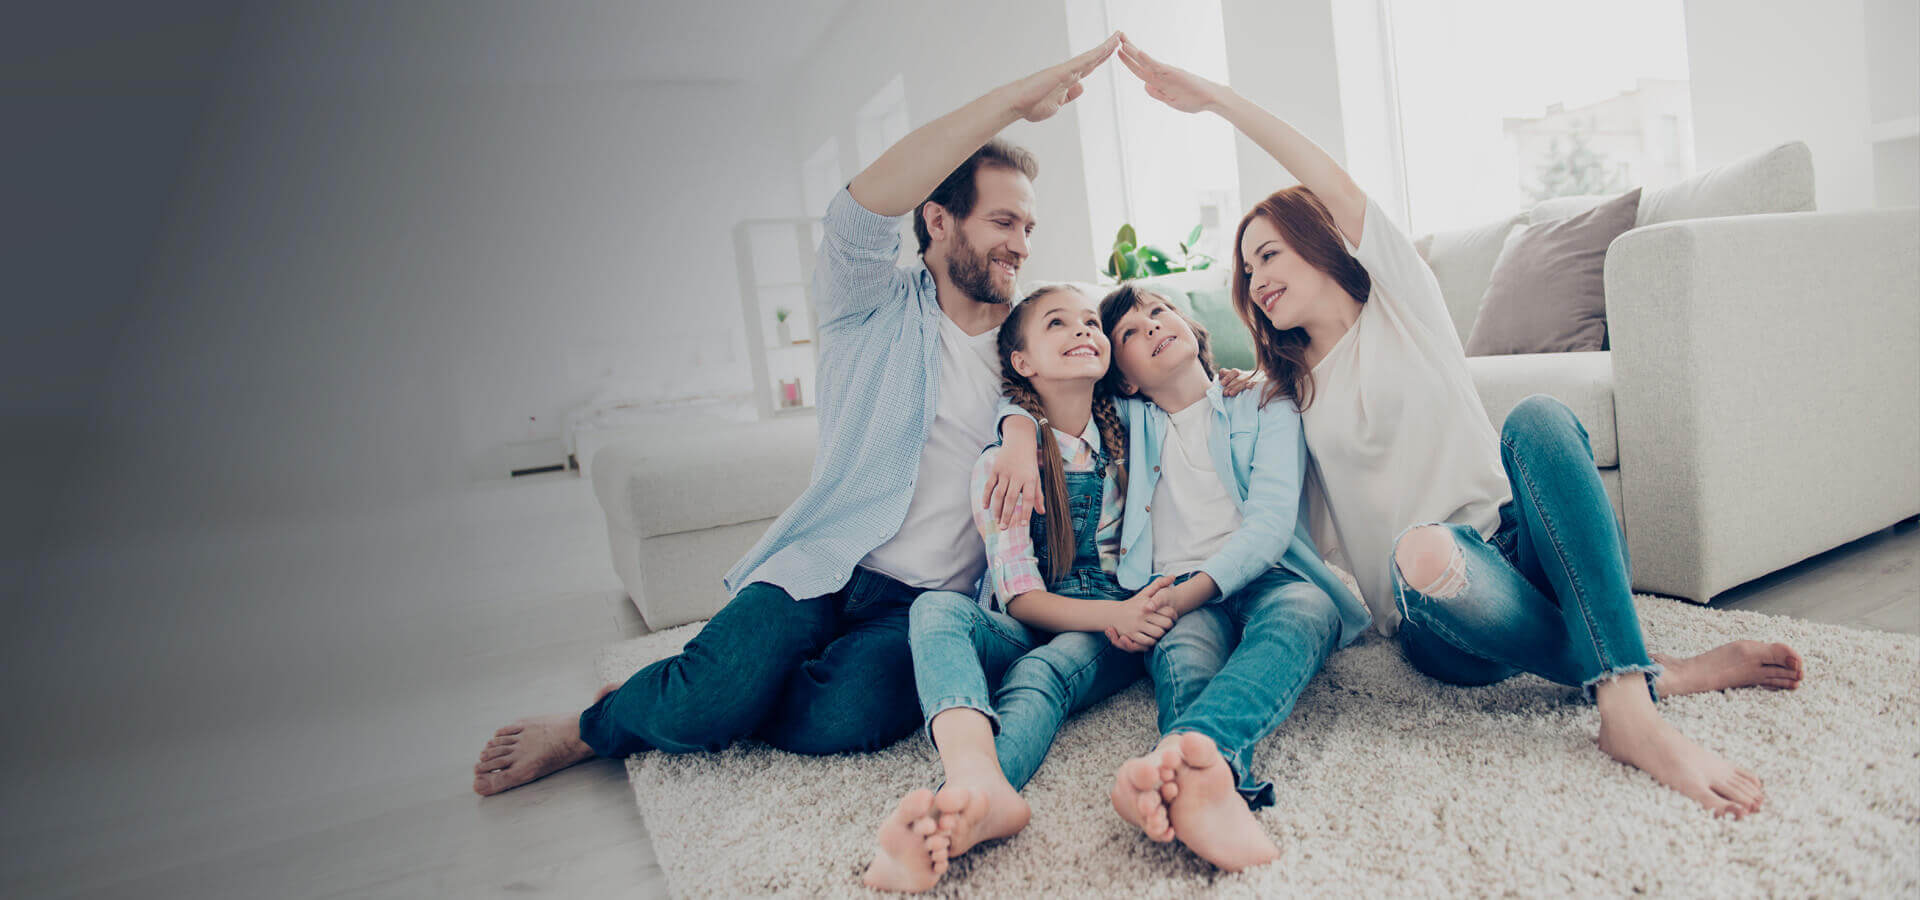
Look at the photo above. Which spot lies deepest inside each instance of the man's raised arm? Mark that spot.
(904, 175)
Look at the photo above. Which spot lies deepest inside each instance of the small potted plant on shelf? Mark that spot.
(1130, 259)
(780, 327)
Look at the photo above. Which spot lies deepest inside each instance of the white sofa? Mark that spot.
(1760, 404)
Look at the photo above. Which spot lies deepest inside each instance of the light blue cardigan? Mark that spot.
(1261, 457)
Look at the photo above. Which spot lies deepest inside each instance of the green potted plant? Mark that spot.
(780, 327)
(1131, 259)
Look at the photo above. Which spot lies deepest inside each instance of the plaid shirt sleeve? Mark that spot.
(1011, 566)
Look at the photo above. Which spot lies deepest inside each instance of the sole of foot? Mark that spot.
(528, 750)
(972, 814)
(912, 854)
(1144, 786)
(1735, 664)
(1646, 742)
(1209, 814)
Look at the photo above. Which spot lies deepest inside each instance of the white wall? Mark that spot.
(948, 54)
(370, 285)
(1767, 73)
(1280, 54)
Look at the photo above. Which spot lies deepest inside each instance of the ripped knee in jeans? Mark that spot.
(1431, 563)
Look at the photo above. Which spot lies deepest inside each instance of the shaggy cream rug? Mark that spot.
(1388, 783)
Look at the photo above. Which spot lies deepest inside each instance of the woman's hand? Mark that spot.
(1143, 619)
(1234, 381)
(1013, 483)
(1172, 85)
(1040, 95)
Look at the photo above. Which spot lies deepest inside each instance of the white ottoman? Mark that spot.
(685, 503)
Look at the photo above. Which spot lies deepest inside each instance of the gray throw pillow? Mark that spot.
(1548, 291)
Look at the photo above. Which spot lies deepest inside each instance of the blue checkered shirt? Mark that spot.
(879, 387)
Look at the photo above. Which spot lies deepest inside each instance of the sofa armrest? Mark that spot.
(1766, 370)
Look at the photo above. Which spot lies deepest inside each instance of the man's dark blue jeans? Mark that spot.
(820, 675)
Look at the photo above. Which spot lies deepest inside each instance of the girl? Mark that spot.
(1214, 502)
(1054, 643)
(1492, 554)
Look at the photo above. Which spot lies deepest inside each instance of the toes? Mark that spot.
(1169, 790)
(1148, 807)
(950, 801)
(495, 752)
(916, 804)
(503, 742)
(515, 728)
(491, 765)
(938, 845)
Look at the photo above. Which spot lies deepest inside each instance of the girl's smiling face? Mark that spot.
(1061, 338)
(1151, 341)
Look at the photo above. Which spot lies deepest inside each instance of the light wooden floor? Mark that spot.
(487, 608)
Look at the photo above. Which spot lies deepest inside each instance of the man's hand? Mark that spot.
(1143, 619)
(1234, 381)
(1172, 85)
(1040, 95)
(1013, 486)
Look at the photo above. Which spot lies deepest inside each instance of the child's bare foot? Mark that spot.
(974, 811)
(1735, 664)
(1145, 785)
(1210, 816)
(913, 854)
(1632, 732)
(528, 750)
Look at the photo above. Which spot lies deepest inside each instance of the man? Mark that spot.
(810, 654)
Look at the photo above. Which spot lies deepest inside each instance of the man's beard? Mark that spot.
(972, 273)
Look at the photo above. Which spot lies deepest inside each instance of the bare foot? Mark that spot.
(1145, 785)
(913, 854)
(1735, 664)
(527, 750)
(1210, 816)
(974, 811)
(1636, 735)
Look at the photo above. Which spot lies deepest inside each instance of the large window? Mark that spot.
(1159, 170)
(1507, 102)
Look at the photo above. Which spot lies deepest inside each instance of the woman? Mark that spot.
(1500, 552)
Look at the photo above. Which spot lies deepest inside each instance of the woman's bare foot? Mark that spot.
(1144, 786)
(1734, 664)
(913, 854)
(973, 811)
(528, 750)
(1633, 732)
(1209, 814)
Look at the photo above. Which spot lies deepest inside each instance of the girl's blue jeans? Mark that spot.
(1232, 669)
(1551, 592)
(959, 648)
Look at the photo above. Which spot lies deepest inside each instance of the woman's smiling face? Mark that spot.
(1284, 286)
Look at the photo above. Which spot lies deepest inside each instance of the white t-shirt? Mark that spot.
(1192, 514)
(1398, 434)
(937, 548)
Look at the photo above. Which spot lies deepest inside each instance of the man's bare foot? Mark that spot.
(913, 854)
(1145, 785)
(1210, 816)
(1734, 664)
(527, 750)
(1635, 734)
(974, 811)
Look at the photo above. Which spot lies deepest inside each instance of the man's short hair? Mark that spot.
(958, 192)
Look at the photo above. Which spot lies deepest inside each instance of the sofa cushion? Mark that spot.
(1583, 381)
(1548, 293)
(1462, 261)
(1777, 181)
(705, 477)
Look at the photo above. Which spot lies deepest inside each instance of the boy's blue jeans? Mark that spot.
(1232, 669)
(820, 675)
(1550, 593)
(959, 648)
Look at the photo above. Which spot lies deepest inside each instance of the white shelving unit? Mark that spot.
(775, 261)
